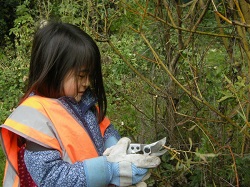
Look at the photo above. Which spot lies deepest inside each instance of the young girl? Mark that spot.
(59, 132)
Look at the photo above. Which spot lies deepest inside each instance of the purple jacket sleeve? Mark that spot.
(48, 164)
(48, 169)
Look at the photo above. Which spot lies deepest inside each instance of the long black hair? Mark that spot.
(59, 48)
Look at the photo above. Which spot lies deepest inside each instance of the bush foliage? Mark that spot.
(175, 69)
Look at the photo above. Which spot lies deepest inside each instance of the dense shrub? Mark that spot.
(172, 69)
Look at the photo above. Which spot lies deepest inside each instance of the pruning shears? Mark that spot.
(154, 149)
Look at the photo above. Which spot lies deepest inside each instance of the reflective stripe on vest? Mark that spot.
(10, 177)
(47, 123)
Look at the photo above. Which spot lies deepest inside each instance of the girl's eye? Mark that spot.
(82, 76)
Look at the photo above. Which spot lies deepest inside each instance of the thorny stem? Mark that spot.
(234, 164)
(172, 25)
(234, 22)
(193, 31)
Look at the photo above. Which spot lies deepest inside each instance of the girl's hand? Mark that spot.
(128, 169)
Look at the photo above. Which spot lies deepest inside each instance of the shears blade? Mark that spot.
(154, 149)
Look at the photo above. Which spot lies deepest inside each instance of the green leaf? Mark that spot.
(204, 156)
(229, 95)
(118, 82)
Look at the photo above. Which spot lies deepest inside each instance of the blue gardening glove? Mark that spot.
(124, 174)
(127, 169)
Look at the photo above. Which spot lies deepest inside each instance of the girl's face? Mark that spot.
(75, 86)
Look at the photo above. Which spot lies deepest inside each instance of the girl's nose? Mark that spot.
(86, 82)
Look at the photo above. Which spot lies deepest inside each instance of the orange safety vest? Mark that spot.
(46, 122)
